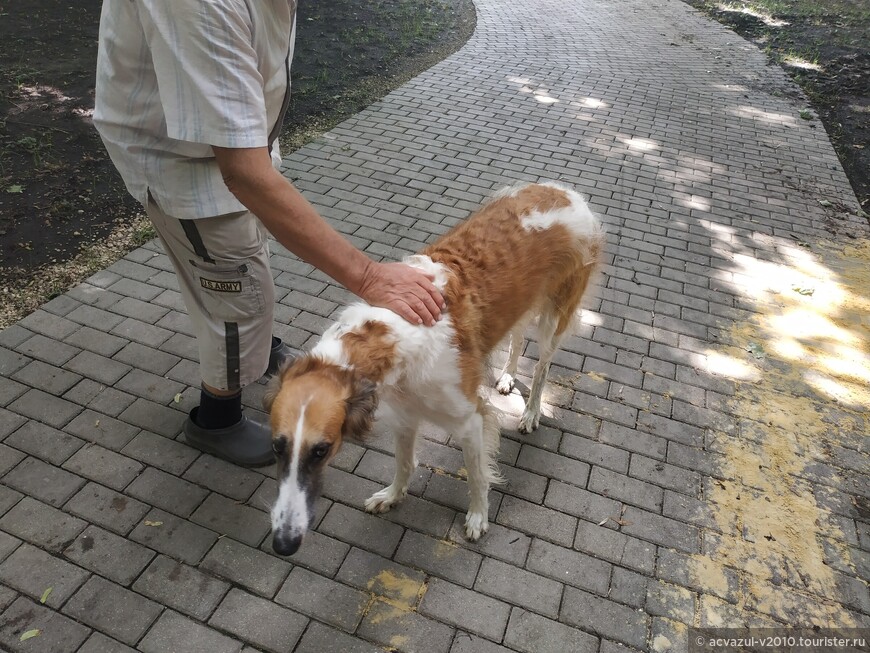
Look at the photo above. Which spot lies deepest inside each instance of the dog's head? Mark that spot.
(314, 405)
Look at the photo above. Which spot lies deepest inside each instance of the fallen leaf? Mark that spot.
(153, 523)
(807, 292)
(45, 594)
(755, 349)
(15, 188)
(825, 203)
(177, 397)
(806, 114)
(30, 634)
(97, 423)
(603, 521)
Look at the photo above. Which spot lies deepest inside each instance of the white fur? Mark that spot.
(291, 507)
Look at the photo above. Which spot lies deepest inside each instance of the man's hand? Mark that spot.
(404, 290)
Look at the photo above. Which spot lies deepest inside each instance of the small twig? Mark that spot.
(34, 124)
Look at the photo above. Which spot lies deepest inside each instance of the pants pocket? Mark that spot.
(229, 291)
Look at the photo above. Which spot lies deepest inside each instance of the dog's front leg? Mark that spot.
(406, 463)
(473, 451)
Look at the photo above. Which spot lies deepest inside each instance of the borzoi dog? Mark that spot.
(528, 253)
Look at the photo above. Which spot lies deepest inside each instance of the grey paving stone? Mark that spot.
(97, 367)
(7, 596)
(99, 643)
(169, 455)
(391, 626)
(569, 567)
(101, 429)
(48, 378)
(44, 407)
(260, 622)
(531, 633)
(32, 571)
(465, 608)
(397, 584)
(615, 547)
(665, 475)
(324, 599)
(9, 391)
(96, 341)
(8, 498)
(228, 479)
(10, 361)
(247, 567)
(174, 536)
(113, 610)
(468, 643)
(628, 587)
(539, 594)
(624, 488)
(521, 483)
(319, 638)
(580, 503)
(14, 335)
(104, 466)
(319, 553)
(153, 417)
(144, 358)
(43, 481)
(167, 492)
(173, 632)
(108, 554)
(104, 507)
(606, 618)
(660, 530)
(453, 492)
(45, 349)
(44, 442)
(9, 458)
(534, 519)
(149, 386)
(57, 633)
(499, 542)
(666, 600)
(228, 517)
(361, 529)
(183, 588)
(41, 525)
(594, 453)
(439, 557)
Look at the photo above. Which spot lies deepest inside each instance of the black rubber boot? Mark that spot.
(247, 442)
(280, 354)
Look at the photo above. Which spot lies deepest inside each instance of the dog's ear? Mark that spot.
(361, 405)
(272, 389)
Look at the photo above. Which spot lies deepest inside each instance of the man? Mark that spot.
(190, 97)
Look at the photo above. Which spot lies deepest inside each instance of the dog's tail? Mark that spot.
(491, 440)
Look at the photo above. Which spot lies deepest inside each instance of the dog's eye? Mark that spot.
(319, 451)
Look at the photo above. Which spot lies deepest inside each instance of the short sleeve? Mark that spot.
(206, 67)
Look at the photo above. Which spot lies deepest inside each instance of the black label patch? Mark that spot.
(221, 286)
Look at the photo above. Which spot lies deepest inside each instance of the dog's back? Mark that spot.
(528, 252)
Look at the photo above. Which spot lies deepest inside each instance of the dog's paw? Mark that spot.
(505, 384)
(476, 524)
(529, 422)
(383, 500)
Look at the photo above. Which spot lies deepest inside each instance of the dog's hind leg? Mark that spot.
(548, 342)
(506, 381)
(406, 463)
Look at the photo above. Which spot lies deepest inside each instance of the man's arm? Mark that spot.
(250, 176)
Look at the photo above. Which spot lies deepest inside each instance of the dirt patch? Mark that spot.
(64, 211)
(823, 47)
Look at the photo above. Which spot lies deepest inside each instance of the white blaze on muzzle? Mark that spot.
(290, 513)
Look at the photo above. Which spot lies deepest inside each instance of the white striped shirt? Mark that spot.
(175, 77)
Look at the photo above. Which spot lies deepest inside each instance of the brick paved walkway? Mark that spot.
(704, 461)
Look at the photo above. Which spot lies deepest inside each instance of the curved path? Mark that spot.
(704, 462)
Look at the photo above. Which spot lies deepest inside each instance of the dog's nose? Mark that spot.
(285, 544)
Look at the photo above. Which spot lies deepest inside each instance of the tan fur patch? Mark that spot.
(501, 271)
(370, 349)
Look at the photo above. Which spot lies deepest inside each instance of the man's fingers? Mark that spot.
(431, 305)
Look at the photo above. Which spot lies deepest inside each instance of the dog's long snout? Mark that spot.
(286, 544)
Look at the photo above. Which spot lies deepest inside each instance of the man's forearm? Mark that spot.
(290, 217)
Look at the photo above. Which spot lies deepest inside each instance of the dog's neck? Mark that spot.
(368, 348)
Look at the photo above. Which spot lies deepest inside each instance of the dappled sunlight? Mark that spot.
(748, 10)
(799, 62)
(733, 368)
(642, 144)
(591, 103)
(543, 98)
(43, 91)
(771, 117)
